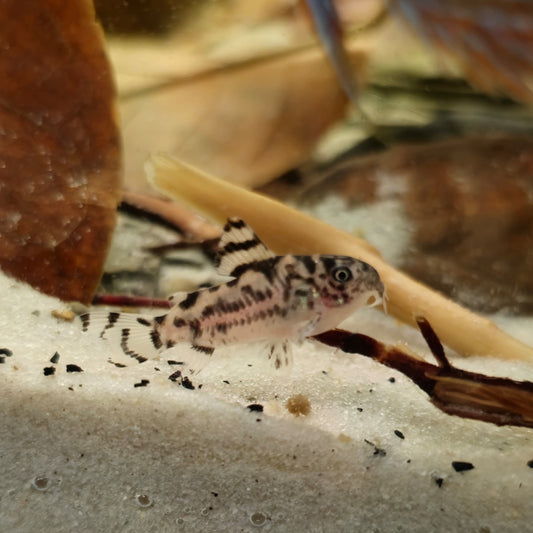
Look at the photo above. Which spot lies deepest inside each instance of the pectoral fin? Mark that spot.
(308, 328)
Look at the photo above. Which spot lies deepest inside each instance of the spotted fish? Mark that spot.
(273, 298)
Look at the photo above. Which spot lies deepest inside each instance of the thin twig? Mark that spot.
(122, 300)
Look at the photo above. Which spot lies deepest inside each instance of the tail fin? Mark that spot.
(137, 335)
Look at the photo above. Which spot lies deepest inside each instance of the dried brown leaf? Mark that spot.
(59, 146)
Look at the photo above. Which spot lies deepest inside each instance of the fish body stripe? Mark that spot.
(308, 262)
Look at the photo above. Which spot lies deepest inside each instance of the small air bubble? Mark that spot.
(258, 519)
(143, 500)
(40, 483)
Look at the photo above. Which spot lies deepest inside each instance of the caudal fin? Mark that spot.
(137, 335)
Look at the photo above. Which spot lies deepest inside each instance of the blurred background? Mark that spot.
(429, 156)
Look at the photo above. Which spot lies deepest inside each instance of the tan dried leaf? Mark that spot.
(247, 123)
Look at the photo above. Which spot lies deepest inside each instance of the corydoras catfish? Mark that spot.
(275, 298)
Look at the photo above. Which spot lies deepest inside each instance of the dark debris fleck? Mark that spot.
(6, 351)
(55, 358)
(225, 381)
(175, 376)
(74, 368)
(530, 463)
(172, 362)
(439, 481)
(118, 365)
(399, 434)
(142, 383)
(49, 370)
(187, 383)
(255, 407)
(377, 451)
(462, 466)
(392, 380)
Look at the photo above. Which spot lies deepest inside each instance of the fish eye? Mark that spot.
(341, 274)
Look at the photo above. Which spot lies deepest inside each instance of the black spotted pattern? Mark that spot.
(204, 349)
(155, 337)
(234, 223)
(124, 337)
(243, 246)
(189, 301)
(85, 321)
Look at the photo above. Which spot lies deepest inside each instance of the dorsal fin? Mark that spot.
(238, 246)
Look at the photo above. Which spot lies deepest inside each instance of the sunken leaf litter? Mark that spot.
(104, 444)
